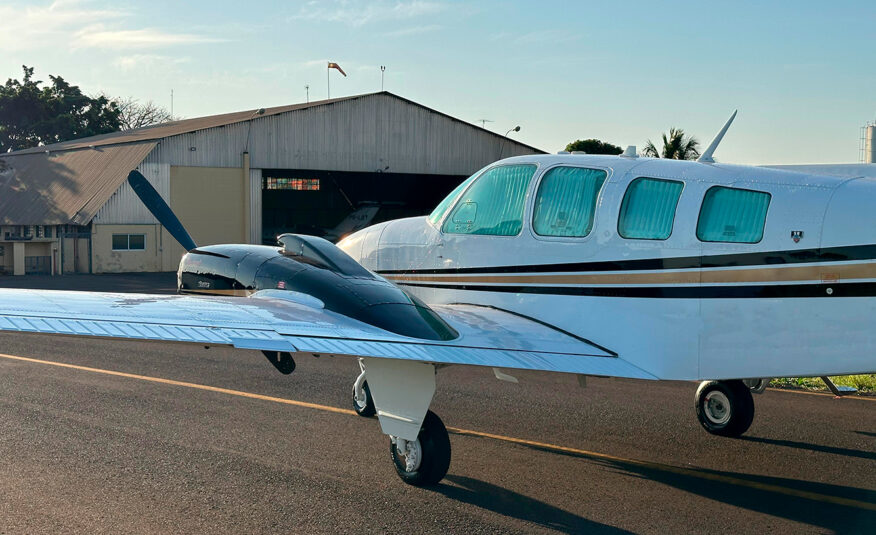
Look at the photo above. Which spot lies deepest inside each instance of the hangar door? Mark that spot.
(322, 203)
(209, 201)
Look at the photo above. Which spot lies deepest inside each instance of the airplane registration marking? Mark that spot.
(707, 276)
(719, 478)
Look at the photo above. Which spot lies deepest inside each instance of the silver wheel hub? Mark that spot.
(411, 452)
(717, 408)
(359, 396)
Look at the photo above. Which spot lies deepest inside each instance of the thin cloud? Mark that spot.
(66, 23)
(146, 38)
(415, 30)
(359, 13)
(48, 26)
(146, 61)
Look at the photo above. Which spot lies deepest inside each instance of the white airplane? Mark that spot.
(591, 265)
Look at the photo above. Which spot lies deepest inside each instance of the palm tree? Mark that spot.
(675, 146)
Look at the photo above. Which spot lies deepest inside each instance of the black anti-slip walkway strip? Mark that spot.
(769, 258)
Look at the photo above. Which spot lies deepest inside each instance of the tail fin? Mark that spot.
(162, 212)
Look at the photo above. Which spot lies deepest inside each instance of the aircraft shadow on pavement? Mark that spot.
(866, 433)
(869, 455)
(842, 518)
(511, 504)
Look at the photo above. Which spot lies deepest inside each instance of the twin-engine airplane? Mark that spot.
(591, 265)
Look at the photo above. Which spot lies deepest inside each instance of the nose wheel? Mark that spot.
(363, 403)
(424, 461)
(725, 408)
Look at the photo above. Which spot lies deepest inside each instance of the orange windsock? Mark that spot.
(333, 65)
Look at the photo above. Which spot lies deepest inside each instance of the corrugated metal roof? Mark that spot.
(156, 132)
(68, 182)
(64, 187)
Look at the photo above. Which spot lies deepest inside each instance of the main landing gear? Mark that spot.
(725, 408)
(424, 461)
(400, 392)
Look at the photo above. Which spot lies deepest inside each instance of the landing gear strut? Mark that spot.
(363, 403)
(425, 460)
(725, 408)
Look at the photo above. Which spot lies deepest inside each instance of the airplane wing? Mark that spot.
(276, 320)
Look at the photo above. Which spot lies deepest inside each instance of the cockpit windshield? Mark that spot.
(438, 212)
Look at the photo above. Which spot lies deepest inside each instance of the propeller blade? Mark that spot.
(162, 212)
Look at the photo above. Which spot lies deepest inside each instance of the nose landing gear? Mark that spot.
(363, 403)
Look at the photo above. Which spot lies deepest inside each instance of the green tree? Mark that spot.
(593, 146)
(676, 146)
(31, 115)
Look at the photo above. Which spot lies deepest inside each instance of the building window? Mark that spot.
(493, 205)
(648, 209)
(566, 201)
(129, 242)
(733, 215)
(298, 184)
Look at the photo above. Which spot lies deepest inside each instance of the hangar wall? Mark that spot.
(376, 133)
(209, 203)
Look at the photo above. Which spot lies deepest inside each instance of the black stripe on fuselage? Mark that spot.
(794, 256)
(849, 289)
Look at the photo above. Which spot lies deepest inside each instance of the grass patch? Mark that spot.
(866, 384)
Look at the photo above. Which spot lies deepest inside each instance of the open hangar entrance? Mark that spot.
(307, 201)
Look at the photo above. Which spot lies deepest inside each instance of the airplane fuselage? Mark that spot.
(752, 273)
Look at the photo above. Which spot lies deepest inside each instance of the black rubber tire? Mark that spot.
(741, 406)
(435, 445)
(368, 410)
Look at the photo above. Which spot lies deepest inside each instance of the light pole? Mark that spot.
(382, 70)
(307, 93)
(260, 111)
(502, 145)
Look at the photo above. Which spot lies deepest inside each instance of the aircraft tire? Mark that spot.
(724, 408)
(434, 444)
(367, 409)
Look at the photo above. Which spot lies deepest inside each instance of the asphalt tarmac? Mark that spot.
(125, 438)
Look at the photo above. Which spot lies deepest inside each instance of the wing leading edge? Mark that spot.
(281, 321)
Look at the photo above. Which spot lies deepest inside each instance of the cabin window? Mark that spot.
(129, 242)
(648, 209)
(733, 215)
(566, 201)
(493, 205)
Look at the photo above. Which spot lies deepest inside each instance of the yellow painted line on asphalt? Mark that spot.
(718, 478)
(183, 383)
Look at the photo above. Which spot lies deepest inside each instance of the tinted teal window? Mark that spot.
(566, 201)
(648, 209)
(442, 207)
(733, 215)
(493, 205)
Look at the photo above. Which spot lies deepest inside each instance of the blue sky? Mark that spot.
(802, 74)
